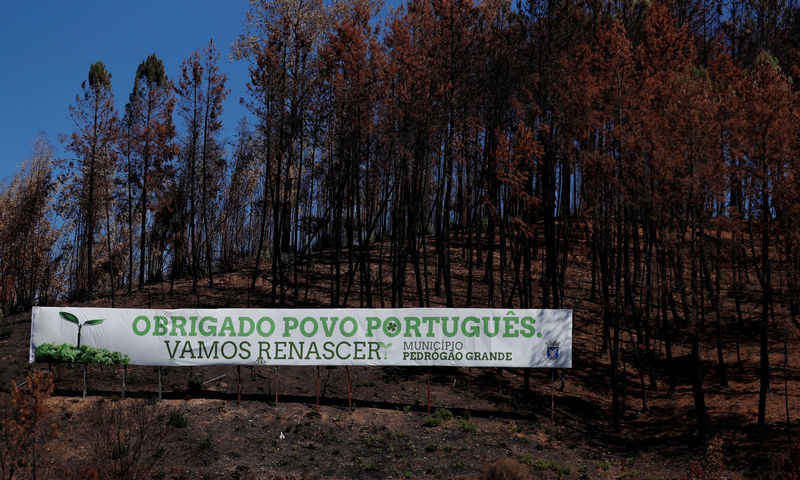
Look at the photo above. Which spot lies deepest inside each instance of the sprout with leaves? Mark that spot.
(73, 319)
(385, 347)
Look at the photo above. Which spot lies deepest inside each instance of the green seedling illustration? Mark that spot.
(385, 347)
(73, 319)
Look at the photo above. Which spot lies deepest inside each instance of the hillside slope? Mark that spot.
(276, 431)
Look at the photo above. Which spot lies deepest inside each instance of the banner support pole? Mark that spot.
(552, 395)
(429, 391)
(469, 390)
(159, 382)
(124, 379)
(85, 367)
(239, 384)
(317, 369)
(509, 393)
(349, 394)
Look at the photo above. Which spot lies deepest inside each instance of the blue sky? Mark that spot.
(46, 48)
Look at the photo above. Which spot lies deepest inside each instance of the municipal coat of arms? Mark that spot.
(552, 351)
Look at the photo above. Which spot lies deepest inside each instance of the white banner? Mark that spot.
(464, 337)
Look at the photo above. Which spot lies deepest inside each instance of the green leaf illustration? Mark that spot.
(94, 322)
(69, 317)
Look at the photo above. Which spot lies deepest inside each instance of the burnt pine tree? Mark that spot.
(91, 175)
(201, 90)
(281, 45)
(190, 94)
(151, 103)
(211, 154)
(27, 237)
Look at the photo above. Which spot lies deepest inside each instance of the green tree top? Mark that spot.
(98, 77)
(152, 70)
